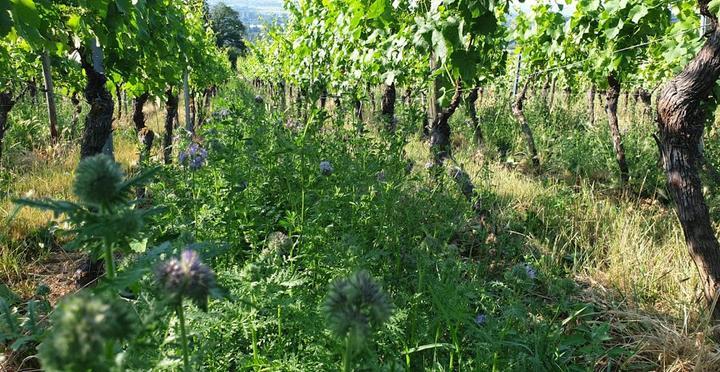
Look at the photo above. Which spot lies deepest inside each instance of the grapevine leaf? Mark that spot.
(73, 21)
(376, 9)
(5, 20)
(465, 63)
(612, 33)
(439, 45)
(637, 12)
(714, 6)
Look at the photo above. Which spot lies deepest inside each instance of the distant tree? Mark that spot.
(229, 30)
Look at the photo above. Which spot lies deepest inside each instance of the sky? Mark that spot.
(251, 3)
(278, 4)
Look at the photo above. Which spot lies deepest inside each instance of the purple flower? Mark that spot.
(222, 114)
(381, 176)
(186, 277)
(480, 319)
(530, 271)
(194, 156)
(326, 168)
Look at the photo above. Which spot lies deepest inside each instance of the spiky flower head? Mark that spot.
(530, 271)
(99, 181)
(326, 168)
(194, 156)
(381, 176)
(82, 326)
(186, 277)
(463, 180)
(279, 242)
(356, 305)
(221, 114)
(523, 271)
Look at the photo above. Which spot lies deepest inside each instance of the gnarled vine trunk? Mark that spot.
(98, 122)
(545, 92)
(171, 110)
(145, 135)
(568, 97)
(32, 90)
(517, 109)
(433, 108)
(682, 116)
(118, 93)
(591, 105)
(440, 128)
(50, 96)
(358, 110)
(646, 99)
(193, 111)
(6, 104)
(552, 94)
(472, 113)
(613, 93)
(323, 98)
(76, 114)
(206, 107)
(138, 114)
(388, 106)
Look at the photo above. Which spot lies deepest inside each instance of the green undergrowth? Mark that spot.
(470, 290)
(558, 268)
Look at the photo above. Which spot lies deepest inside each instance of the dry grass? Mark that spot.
(662, 343)
(24, 243)
(629, 252)
(48, 173)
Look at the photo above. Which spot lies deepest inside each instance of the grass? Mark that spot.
(46, 171)
(616, 288)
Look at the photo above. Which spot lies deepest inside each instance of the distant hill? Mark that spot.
(261, 6)
(254, 14)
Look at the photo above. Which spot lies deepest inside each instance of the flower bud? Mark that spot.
(98, 181)
(326, 168)
(186, 277)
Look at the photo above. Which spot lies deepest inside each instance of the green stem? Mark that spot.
(108, 256)
(183, 338)
(279, 325)
(192, 205)
(256, 357)
(346, 356)
(107, 248)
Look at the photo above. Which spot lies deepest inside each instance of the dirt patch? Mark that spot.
(57, 272)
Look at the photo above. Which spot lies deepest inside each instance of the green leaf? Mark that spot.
(714, 6)
(376, 9)
(638, 12)
(465, 63)
(439, 46)
(615, 31)
(74, 21)
(5, 20)
(26, 13)
(6, 293)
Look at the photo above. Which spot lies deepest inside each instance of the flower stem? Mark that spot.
(346, 356)
(192, 203)
(108, 256)
(107, 248)
(183, 338)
